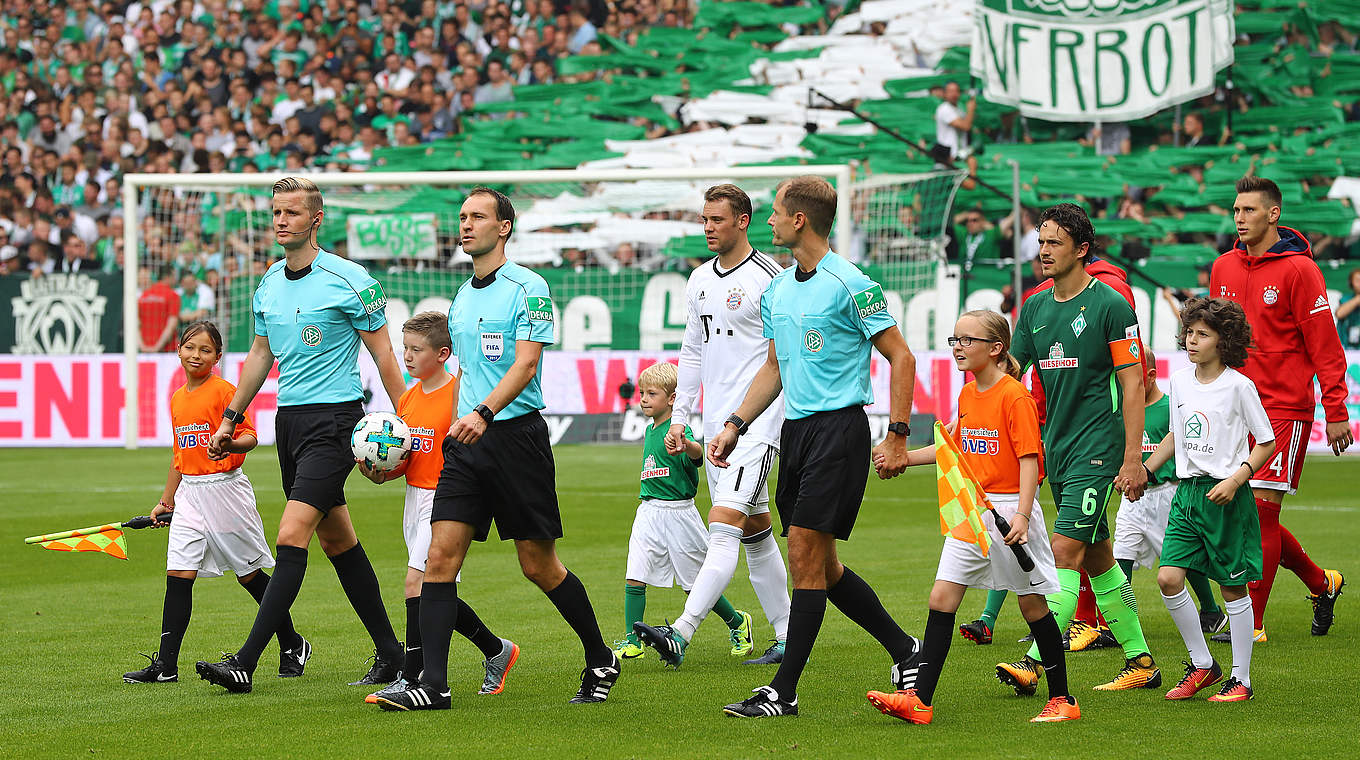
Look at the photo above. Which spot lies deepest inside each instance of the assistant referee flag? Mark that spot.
(960, 496)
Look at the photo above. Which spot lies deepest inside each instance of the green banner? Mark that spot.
(62, 314)
(1099, 60)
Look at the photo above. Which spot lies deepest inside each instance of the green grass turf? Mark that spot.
(76, 622)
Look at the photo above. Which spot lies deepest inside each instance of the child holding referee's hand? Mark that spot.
(669, 540)
(1213, 527)
(998, 435)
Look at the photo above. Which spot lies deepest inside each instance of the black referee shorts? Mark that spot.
(314, 451)
(823, 468)
(506, 476)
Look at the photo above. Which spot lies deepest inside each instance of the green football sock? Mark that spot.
(1127, 566)
(994, 601)
(1063, 604)
(1114, 599)
(728, 613)
(634, 606)
(1203, 591)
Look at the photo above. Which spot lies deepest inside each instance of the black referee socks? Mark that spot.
(807, 608)
(361, 586)
(438, 616)
(278, 597)
(571, 600)
(179, 603)
(853, 597)
(288, 638)
(471, 627)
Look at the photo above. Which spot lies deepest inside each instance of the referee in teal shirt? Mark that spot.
(822, 315)
(312, 309)
(498, 464)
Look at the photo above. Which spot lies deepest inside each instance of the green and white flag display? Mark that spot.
(1099, 60)
(392, 236)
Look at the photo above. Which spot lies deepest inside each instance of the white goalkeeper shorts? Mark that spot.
(668, 544)
(742, 484)
(964, 564)
(1140, 526)
(415, 527)
(216, 527)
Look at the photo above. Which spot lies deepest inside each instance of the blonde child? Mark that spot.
(998, 435)
(1213, 527)
(216, 524)
(428, 407)
(669, 540)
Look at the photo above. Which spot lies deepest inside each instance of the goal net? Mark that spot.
(615, 246)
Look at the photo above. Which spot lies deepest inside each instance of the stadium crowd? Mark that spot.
(95, 90)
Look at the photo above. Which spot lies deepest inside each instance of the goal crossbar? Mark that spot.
(839, 174)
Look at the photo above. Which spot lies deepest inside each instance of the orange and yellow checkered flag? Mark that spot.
(960, 497)
(100, 538)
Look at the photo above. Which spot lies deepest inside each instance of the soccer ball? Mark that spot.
(382, 440)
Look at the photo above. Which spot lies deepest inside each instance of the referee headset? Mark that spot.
(316, 221)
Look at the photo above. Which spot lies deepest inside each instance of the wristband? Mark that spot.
(233, 416)
(1024, 515)
(485, 412)
(900, 428)
(1151, 478)
(741, 425)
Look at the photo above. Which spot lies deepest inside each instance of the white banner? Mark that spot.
(393, 236)
(78, 400)
(1099, 60)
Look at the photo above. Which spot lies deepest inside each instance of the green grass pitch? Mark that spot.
(74, 623)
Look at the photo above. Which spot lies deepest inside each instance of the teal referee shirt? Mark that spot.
(485, 320)
(311, 319)
(821, 323)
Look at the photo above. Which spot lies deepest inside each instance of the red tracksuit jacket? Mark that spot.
(1292, 327)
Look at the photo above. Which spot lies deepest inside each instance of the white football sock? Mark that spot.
(770, 579)
(1240, 627)
(720, 564)
(1186, 618)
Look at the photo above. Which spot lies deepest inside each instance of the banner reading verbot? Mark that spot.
(78, 400)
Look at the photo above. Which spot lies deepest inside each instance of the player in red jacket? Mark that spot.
(1271, 273)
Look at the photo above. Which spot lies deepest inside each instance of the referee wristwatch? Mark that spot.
(233, 416)
(900, 428)
(741, 425)
(485, 412)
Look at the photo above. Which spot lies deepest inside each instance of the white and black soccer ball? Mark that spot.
(382, 440)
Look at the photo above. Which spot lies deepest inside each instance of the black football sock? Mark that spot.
(807, 608)
(571, 600)
(288, 638)
(471, 628)
(361, 586)
(853, 597)
(939, 635)
(1049, 640)
(179, 603)
(438, 616)
(415, 655)
(278, 598)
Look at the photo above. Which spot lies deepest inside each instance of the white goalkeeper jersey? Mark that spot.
(725, 345)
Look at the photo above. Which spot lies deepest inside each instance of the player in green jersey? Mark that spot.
(669, 541)
(1083, 336)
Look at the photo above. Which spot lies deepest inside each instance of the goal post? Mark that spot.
(221, 192)
(616, 245)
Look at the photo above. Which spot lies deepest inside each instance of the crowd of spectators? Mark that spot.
(95, 90)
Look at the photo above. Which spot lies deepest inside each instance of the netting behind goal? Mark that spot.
(615, 247)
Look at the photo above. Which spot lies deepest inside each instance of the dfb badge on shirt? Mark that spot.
(493, 346)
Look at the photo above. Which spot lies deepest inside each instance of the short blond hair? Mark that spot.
(312, 195)
(432, 326)
(664, 376)
(814, 198)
